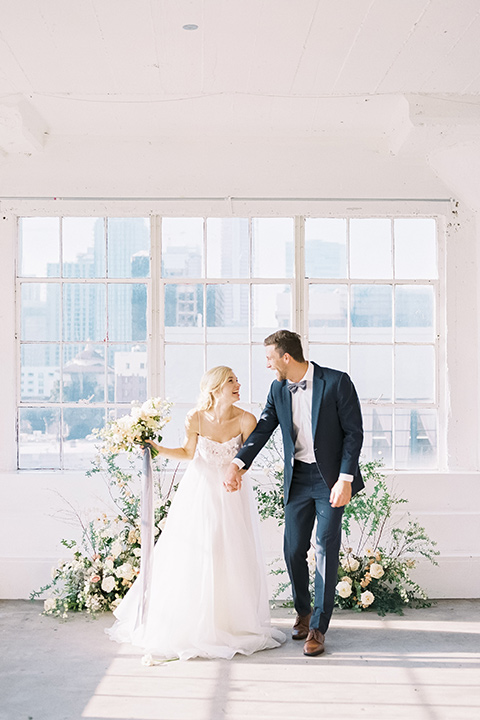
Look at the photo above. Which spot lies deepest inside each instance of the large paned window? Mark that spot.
(371, 287)
(83, 288)
(96, 332)
(226, 284)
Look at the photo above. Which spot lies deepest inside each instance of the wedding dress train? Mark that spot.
(207, 593)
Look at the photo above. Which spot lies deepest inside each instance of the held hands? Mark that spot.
(233, 478)
(341, 493)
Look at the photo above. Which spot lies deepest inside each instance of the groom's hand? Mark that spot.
(341, 493)
(233, 478)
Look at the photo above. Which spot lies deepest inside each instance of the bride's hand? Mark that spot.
(148, 442)
(233, 478)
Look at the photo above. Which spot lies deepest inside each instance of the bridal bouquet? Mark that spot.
(129, 432)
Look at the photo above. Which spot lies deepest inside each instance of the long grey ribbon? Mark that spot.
(147, 536)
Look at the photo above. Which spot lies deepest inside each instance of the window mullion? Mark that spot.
(299, 273)
(155, 313)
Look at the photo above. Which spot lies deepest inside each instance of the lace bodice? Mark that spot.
(216, 452)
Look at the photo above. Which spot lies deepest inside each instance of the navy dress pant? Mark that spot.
(309, 501)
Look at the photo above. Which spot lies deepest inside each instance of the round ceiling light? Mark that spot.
(190, 26)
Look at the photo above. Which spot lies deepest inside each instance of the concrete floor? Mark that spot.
(422, 666)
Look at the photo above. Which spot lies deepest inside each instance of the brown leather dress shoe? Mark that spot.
(315, 643)
(301, 626)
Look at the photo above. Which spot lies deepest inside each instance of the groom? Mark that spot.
(321, 422)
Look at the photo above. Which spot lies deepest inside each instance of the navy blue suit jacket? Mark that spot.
(336, 427)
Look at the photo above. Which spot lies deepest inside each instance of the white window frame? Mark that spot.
(299, 209)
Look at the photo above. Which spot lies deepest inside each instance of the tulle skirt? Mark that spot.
(207, 593)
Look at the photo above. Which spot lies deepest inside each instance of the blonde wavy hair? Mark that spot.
(211, 384)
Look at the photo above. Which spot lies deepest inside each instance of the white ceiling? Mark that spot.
(255, 67)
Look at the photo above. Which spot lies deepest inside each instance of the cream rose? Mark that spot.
(350, 564)
(125, 571)
(344, 589)
(376, 571)
(347, 579)
(108, 564)
(116, 548)
(367, 598)
(49, 605)
(108, 583)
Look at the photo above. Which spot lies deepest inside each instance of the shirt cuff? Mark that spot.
(344, 477)
(239, 463)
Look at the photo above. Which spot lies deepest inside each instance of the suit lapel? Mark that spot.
(317, 395)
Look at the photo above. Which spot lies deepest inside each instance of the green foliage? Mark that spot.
(270, 492)
(379, 549)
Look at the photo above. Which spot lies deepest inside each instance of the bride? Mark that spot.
(207, 594)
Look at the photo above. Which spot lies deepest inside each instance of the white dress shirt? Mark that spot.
(302, 424)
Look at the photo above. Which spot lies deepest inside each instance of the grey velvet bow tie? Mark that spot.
(293, 387)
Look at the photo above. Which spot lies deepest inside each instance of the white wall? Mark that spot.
(447, 503)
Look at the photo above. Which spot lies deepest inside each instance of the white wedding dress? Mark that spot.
(208, 592)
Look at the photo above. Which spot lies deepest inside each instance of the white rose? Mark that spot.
(376, 570)
(135, 415)
(115, 603)
(367, 598)
(125, 571)
(162, 523)
(369, 552)
(278, 466)
(137, 552)
(344, 589)
(116, 548)
(350, 564)
(347, 579)
(49, 605)
(108, 583)
(108, 564)
(126, 422)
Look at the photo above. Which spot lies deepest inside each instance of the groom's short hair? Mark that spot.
(286, 341)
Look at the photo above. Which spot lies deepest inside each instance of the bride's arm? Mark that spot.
(187, 451)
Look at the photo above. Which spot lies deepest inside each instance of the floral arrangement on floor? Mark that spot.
(375, 570)
(106, 560)
(377, 554)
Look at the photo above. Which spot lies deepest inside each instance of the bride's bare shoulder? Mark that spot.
(245, 415)
(192, 421)
(248, 422)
